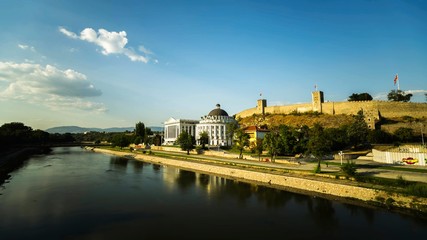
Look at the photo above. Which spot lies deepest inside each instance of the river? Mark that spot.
(72, 193)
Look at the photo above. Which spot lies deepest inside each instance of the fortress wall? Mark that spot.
(247, 113)
(384, 108)
(348, 107)
(400, 109)
(286, 109)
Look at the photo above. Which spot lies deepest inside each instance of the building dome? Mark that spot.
(218, 111)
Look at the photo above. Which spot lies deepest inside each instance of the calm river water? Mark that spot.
(76, 194)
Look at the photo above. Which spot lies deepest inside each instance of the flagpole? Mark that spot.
(398, 84)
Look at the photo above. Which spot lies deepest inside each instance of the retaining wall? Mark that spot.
(332, 188)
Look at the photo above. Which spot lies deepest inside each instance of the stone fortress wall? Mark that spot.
(371, 109)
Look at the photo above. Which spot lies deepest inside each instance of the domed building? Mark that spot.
(215, 125)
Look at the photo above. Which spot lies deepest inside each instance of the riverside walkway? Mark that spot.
(364, 167)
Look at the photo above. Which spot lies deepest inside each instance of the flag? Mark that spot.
(396, 79)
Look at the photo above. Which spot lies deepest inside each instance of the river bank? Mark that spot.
(331, 188)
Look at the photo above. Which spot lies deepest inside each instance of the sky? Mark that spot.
(115, 63)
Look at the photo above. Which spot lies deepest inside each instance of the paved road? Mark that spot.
(365, 167)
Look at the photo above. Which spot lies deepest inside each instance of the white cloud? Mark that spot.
(416, 92)
(47, 85)
(26, 47)
(68, 33)
(110, 42)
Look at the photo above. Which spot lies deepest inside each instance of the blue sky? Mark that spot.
(115, 63)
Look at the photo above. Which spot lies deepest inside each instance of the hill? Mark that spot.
(331, 121)
(77, 129)
(309, 119)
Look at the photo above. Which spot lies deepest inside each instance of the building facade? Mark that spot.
(214, 124)
(174, 127)
(255, 133)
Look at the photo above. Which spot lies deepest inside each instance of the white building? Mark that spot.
(214, 124)
(174, 127)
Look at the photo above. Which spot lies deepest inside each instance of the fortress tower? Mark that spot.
(261, 105)
(317, 100)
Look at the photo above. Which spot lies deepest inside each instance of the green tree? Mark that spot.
(287, 140)
(231, 127)
(14, 133)
(271, 143)
(360, 97)
(140, 130)
(241, 140)
(148, 136)
(318, 145)
(259, 147)
(203, 139)
(137, 140)
(39, 136)
(357, 131)
(157, 141)
(301, 135)
(379, 136)
(121, 140)
(186, 142)
(399, 96)
(404, 134)
(338, 137)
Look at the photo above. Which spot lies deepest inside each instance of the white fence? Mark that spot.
(405, 158)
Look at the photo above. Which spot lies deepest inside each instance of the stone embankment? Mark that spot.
(321, 186)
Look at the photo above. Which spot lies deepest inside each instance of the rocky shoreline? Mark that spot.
(335, 189)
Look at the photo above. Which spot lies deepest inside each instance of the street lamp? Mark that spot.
(341, 154)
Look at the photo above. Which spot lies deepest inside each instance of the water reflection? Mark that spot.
(135, 200)
(185, 179)
(118, 163)
(138, 166)
(156, 167)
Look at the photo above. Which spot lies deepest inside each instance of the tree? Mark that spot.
(14, 133)
(338, 137)
(357, 131)
(360, 97)
(425, 94)
(259, 147)
(404, 134)
(140, 130)
(399, 96)
(203, 139)
(241, 140)
(157, 141)
(186, 142)
(318, 144)
(231, 127)
(271, 143)
(301, 135)
(287, 140)
(379, 136)
(120, 140)
(147, 134)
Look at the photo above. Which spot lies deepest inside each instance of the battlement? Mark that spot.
(372, 110)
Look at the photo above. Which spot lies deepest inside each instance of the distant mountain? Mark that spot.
(76, 129)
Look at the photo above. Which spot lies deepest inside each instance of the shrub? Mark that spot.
(349, 168)
(418, 189)
(317, 169)
(389, 202)
(401, 181)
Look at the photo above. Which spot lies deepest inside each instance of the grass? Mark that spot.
(393, 185)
